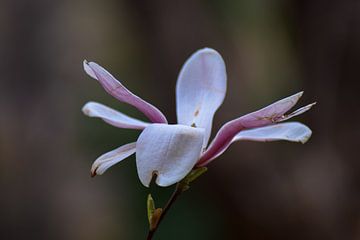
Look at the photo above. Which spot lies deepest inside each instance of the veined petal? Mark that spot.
(168, 151)
(200, 89)
(107, 160)
(263, 117)
(111, 116)
(290, 131)
(117, 90)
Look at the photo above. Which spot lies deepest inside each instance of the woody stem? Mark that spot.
(177, 191)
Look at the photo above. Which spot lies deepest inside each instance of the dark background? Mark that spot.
(254, 191)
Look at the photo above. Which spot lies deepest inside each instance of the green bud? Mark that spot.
(185, 187)
(150, 207)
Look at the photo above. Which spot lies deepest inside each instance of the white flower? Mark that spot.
(171, 151)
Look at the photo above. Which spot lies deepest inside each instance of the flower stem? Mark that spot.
(178, 190)
(181, 187)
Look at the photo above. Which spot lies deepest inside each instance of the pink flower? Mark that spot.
(170, 151)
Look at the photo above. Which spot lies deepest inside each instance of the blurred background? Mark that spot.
(254, 191)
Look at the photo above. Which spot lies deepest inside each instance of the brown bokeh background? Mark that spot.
(254, 191)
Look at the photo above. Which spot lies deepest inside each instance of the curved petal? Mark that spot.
(117, 90)
(109, 159)
(112, 117)
(263, 117)
(168, 151)
(290, 131)
(200, 89)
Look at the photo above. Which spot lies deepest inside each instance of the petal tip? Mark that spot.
(88, 69)
(145, 181)
(93, 170)
(298, 95)
(163, 181)
(312, 104)
(85, 109)
(164, 184)
(309, 106)
(207, 50)
(306, 137)
(85, 65)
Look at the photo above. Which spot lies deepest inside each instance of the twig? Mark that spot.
(178, 190)
(181, 186)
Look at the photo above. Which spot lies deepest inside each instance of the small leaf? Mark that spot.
(194, 174)
(184, 187)
(150, 207)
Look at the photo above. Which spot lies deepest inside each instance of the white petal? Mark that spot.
(169, 151)
(109, 159)
(290, 131)
(111, 116)
(200, 89)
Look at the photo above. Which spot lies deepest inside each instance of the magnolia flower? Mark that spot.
(171, 151)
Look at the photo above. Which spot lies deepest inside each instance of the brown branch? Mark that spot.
(178, 190)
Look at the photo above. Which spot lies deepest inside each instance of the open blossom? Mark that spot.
(171, 151)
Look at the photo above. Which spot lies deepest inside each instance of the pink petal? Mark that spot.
(289, 131)
(263, 117)
(117, 90)
(112, 117)
(200, 89)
